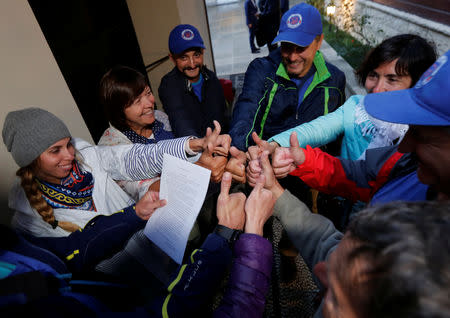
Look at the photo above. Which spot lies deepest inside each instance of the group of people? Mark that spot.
(76, 245)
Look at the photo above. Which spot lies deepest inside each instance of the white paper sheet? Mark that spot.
(184, 186)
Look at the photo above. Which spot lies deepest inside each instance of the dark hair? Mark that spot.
(119, 88)
(415, 55)
(405, 248)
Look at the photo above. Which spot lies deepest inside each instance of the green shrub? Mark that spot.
(351, 50)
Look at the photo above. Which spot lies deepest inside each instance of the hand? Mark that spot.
(285, 160)
(271, 182)
(236, 164)
(254, 152)
(230, 207)
(200, 144)
(148, 204)
(222, 145)
(216, 164)
(253, 171)
(258, 208)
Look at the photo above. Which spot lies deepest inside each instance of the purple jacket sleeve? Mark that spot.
(249, 278)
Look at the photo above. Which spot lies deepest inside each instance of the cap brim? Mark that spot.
(401, 107)
(297, 38)
(181, 50)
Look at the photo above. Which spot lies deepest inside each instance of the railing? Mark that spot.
(156, 63)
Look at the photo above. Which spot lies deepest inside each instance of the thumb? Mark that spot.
(217, 128)
(293, 140)
(208, 132)
(225, 185)
(265, 163)
(256, 138)
(260, 183)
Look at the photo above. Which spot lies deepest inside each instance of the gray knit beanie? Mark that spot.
(29, 132)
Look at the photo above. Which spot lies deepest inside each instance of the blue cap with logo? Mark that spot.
(427, 103)
(183, 37)
(299, 25)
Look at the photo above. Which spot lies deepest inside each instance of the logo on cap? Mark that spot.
(429, 74)
(187, 34)
(294, 20)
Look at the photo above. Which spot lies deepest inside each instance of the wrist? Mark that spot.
(277, 190)
(254, 227)
(196, 144)
(231, 235)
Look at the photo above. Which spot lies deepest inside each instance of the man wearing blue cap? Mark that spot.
(418, 169)
(191, 94)
(292, 85)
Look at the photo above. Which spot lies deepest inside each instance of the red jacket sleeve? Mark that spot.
(326, 173)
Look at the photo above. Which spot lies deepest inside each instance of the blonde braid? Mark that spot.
(36, 200)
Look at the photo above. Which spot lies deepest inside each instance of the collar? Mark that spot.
(188, 84)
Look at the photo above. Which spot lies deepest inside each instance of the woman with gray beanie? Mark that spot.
(65, 182)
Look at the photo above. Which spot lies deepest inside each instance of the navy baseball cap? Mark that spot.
(299, 25)
(425, 104)
(183, 37)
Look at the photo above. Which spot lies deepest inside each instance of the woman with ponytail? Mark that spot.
(65, 182)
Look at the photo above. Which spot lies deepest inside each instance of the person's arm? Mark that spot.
(316, 133)
(352, 179)
(171, 96)
(196, 282)
(252, 264)
(247, 106)
(312, 234)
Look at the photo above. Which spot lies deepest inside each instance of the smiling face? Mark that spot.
(297, 59)
(55, 163)
(189, 63)
(141, 112)
(431, 145)
(384, 79)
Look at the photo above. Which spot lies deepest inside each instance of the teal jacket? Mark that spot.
(359, 130)
(269, 102)
(327, 128)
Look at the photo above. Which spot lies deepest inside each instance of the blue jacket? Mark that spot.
(188, 115)
(268, 103)
(33, 279)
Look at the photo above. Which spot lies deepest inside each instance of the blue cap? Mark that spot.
(183, 37)
(427, 103)
(299, 25)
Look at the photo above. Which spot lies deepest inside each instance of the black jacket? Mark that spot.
(187, 115)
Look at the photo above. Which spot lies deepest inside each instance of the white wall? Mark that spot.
(29, 76)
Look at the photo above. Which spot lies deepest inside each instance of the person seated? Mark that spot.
(65, 181)
(129, 106)
(191, 94)
(237, 239)
(362, 271)
(413, 170)
(291, 86)
(396, 63)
